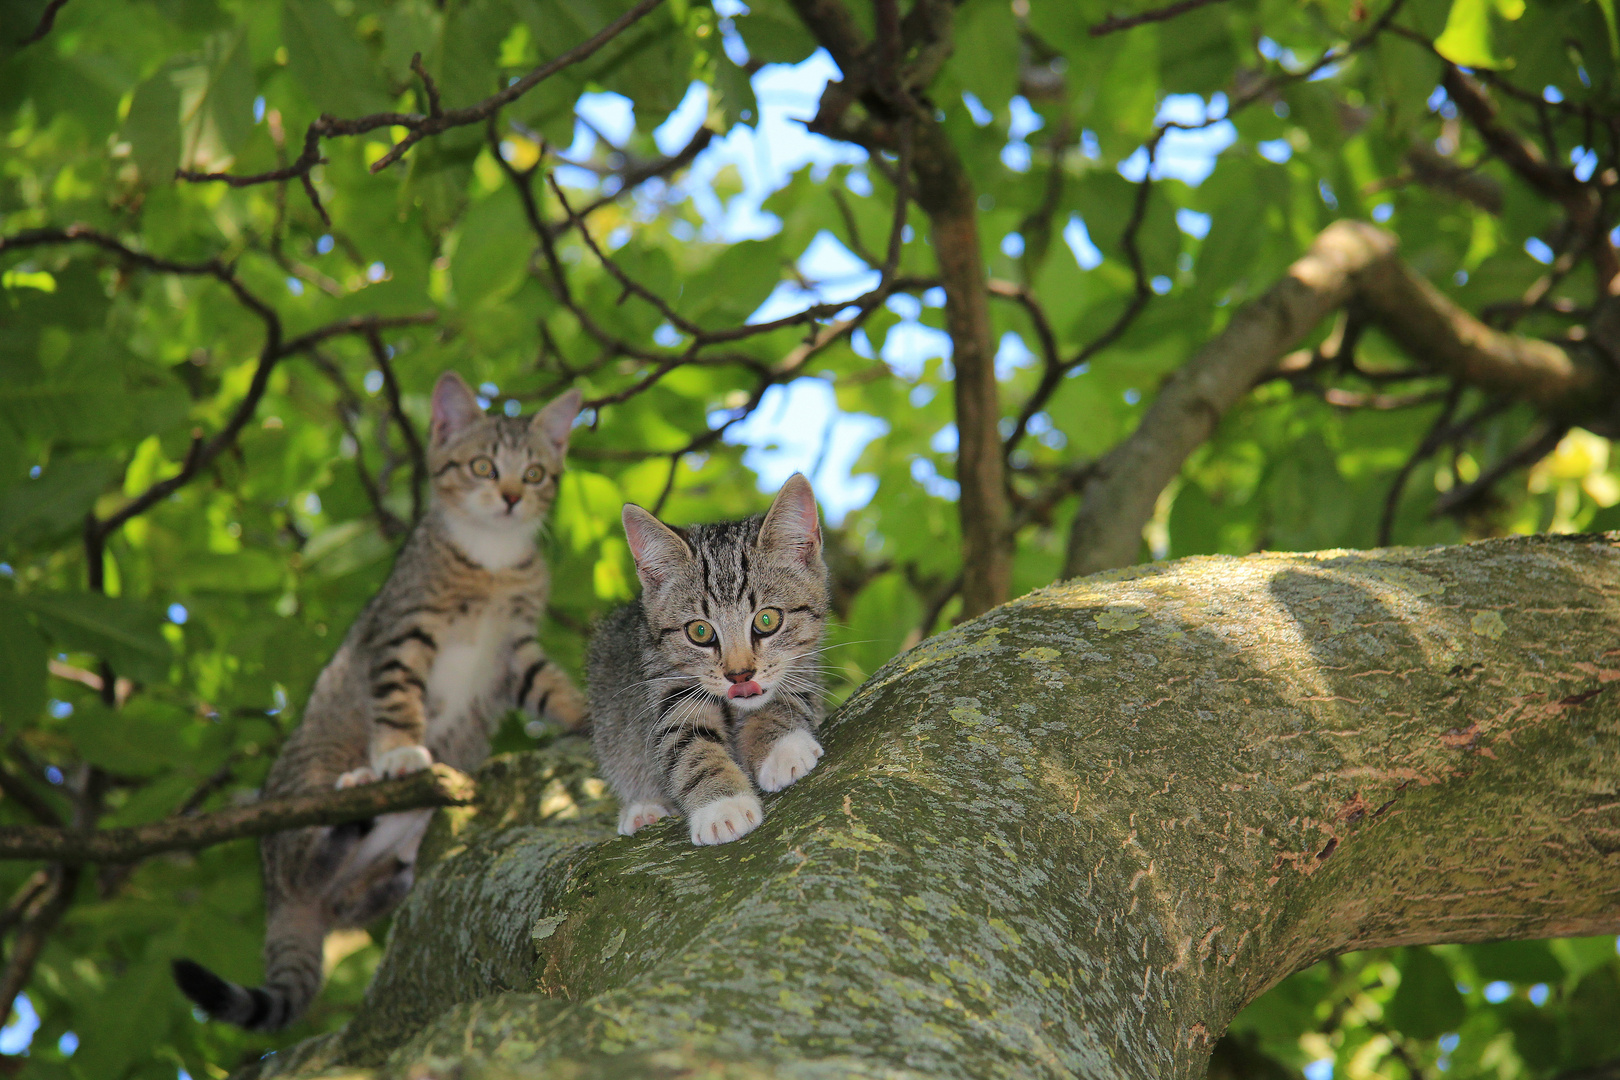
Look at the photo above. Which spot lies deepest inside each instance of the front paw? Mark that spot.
(725, 820)
(356, 777)
(793, 755)
(639, 815)
(401, 761)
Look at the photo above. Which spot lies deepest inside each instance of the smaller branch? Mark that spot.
(854, 241)
(434, 108)
(1532, 450)
(20, 792)
(438, 786)
(1115, 23)
(122, 687)
(43, 915)
(348, 408)
(1053, 374)
(631, 178)
(24, 899)
(379, 355)
(1431, 442)
(936, 605)
(204, 452)
(421, 127)
(630, 286)
(47, 20)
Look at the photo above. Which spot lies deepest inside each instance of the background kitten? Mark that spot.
(713, 676)
(425, 674)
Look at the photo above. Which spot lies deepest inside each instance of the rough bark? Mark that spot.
(1351, 262)
(1069, 838)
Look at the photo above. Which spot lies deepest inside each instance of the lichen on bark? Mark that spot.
(1069, 838)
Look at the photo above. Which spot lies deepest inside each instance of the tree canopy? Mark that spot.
(1114, 281)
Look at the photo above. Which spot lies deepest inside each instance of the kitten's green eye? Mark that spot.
(768, 621)
(700, 632)
(482, 467)
(534, 474)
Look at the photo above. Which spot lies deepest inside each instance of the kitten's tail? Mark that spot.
(292, 979)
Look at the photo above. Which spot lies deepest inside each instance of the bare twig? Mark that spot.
(1115, 23)
(1053, 373)
(47, 19)
(19, 791)
(1431, 442)
(438, 786)
(417, 125)
(1527, 453)
(413, 442)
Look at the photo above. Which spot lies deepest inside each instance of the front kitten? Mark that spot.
(713, 675)
(425, 673)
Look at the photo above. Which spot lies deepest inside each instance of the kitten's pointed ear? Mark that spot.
(556, 421)
(657, 548)
(454, 407)
(792, 525)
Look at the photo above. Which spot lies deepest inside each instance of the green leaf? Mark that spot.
(137, 740)
(248, 571)
(216, 102)
(774, 35)
(1607, 7)
(587, 509)
(988, 68)
(1426, 1005)
(492, 255)
(37, 511)
(126, 634)
(330, 66)
(1467, 37)
(22, 667)
(153, 128)
(111, 1038)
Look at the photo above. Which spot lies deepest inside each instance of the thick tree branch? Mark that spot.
(1073, 837)
(1349, 260)
(438, 786)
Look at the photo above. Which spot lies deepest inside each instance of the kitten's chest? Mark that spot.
(471, 660)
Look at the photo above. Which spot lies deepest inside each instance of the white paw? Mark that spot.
(401, 761)
(726, 819)
(793, 755)
(356, 777)
(639, 816)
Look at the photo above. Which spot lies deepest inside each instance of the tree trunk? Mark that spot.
(1070, 838)
(946, 195)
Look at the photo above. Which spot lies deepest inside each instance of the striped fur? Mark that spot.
(670, 733)
(425, 674)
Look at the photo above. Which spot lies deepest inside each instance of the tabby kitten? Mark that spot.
(424, 675)
(713, 675)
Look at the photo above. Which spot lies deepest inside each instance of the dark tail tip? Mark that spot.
(211, 993)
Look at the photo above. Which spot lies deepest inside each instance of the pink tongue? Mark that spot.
(744, 689)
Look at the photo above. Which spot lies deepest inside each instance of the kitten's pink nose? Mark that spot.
(512, 498)
(740, 676)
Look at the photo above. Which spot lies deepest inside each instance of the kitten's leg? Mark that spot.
(777, 746)
(398, 709)
(690, 743)
(544, 690)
